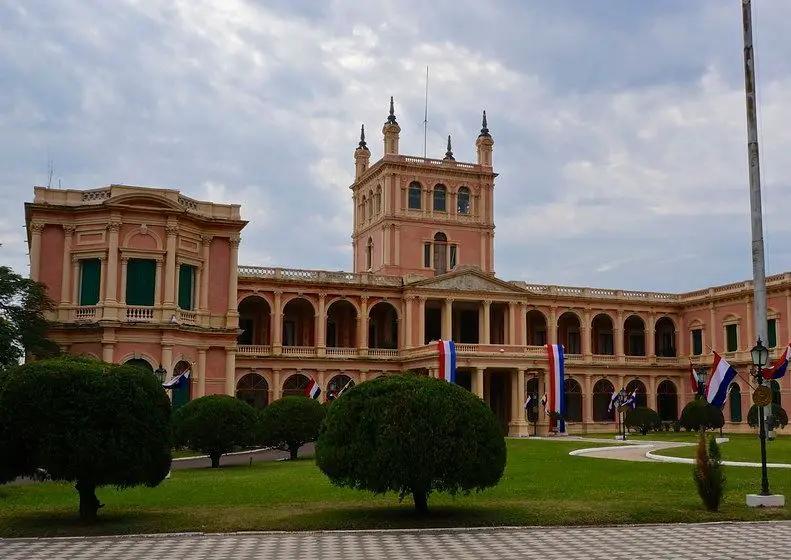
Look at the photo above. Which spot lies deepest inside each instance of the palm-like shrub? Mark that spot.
(708, 473)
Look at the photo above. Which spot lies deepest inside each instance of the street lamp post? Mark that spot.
(700, 377)
(622, 411)
(760, 357)
(534, 411)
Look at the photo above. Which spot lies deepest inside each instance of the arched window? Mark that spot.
(735, 403)
(295, 385)
(369, 254)
(667, 401)
(573, 401)
(463, 201)
(602, 393)
(638, 387)
(254, 390)
(440, 253)
(776, 397)
(363, 207)
(379, 200)
(415, 196)
(370, 205)
(440, 195)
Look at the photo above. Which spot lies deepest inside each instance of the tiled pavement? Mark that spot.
(720, 541)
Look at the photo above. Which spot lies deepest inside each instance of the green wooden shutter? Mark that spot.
(771, 333)
(186, 281)
(697, 342)
(140, 281)
(735, 399)
(732, 341)
(90, 278)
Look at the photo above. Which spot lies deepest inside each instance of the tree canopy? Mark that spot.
(23, 326)
(412, 435)
(84, 421)
(291, 422)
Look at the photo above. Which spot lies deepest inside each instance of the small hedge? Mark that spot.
(291, 422)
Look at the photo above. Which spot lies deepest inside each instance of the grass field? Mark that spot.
(744, 448)
(542, 485)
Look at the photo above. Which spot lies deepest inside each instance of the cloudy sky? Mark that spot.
(619, 124)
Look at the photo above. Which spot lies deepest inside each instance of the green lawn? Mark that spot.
(744, 448)
(542, 485)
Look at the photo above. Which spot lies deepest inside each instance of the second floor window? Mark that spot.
(141, 275)
(415, 196)
(90, 281)
(186, 287)
(771, 333)
(697, 342)
(440, 253)
(440, 194)
(731, 338)
(369, 254)
(463, 201)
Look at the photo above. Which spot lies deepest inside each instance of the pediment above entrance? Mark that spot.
(469, 281)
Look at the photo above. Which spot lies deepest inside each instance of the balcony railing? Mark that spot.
(86, 313)
(136, 313)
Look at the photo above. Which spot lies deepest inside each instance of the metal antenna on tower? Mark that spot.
(425, 117)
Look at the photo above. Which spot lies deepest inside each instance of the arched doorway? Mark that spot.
(665, 338)
(341, 331)
(638, 387)
(667, 401)
(536, 328)
(573, 401)
(531, 388)
(777, 397)
(254, 321)
(253, 389)
(141, 363)
(295, 385)
(569, 333)
(383, 326)
(298, 319)
(336, 384)
(602, 393)
(634, 336)
(602, 335)
(182, 390)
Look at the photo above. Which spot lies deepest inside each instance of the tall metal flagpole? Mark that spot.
(425, 117)
(756, 219)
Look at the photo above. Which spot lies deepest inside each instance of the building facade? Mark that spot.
(151, 277)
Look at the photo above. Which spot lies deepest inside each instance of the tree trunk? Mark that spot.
(215, 460)
(293, 450)
(421, 501)
(89, 503)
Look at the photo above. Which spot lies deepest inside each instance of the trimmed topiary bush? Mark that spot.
(642, 419)
(291, 422)
(411, 435)
(778, 412)
(215, 425)
(84, 421)
(708, 473)
(700, 415)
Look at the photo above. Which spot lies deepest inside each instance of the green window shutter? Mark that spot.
(732, 340)
(90, 278)
(697, 342)
(186, 281)
(771, 333)
(141, 277)
(735, 399)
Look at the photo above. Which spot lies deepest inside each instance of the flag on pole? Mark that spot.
(722, 373)
(312, 390)
(693, 378)
(631, 400)
(178, 381)
(613, 400)
(779, 368)
(557, 389)
(528, 400)
(543, 402)
(447, 360)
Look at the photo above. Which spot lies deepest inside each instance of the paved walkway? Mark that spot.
(717, 541)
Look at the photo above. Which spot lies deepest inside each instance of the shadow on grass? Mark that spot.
(67, 523)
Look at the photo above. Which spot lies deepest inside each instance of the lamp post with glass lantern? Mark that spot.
(160, 373)
(762, 396)
(700, 377)
(622, 412)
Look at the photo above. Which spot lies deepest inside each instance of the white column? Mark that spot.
(230, 371)
(204, 286)
(486, 335)
(68, 232)
(407, 342)
(167, 359)
(36, 228)
(124, 264)
(170, 265)
(232, 316)
(201, 371)
(421, 331)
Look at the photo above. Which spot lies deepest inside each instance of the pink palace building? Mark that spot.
(150, 276)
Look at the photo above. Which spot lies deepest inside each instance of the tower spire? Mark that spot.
(362, 144)
(484, 125)
(391, 119)
(449, 153)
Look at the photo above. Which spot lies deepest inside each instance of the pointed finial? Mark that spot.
(449, 153)
(362, 144)
(484, 126)
(391, 119)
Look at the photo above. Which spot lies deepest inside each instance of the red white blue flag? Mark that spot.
(312, 390)
(722, 373)
(557, 385)
(447, 360)
(178, 381)
(779, 368)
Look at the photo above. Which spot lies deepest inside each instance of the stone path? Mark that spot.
(717, 541)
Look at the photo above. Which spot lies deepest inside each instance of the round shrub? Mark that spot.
(291, 422)
(778, 412)
(700, 415)
(411, 435)
(642, 419)
(215, 425)
(84, 421)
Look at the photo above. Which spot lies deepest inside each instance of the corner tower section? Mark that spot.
(422, 216)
